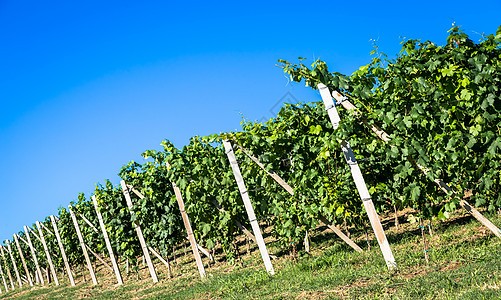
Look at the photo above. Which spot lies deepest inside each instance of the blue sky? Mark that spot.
(86, 88)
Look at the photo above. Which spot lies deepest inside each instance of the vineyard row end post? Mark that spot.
(189, 231)
(14, 264)
(359, 180)
(3, 278)
(248, 207)
(139, 232)
(49, 259)
(61, 248)
(28, 275)
(82, 245)
(116, 269)
(33, 255)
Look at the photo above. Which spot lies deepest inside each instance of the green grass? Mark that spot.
(464, 264)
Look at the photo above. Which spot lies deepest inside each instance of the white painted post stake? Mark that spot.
(165, 262)
(187, 225)
(116, 269)
(3, 278)
(61, 247)
(139, 233)
(32, 249)
(23, 260)
(7, 269)
(14, 264)
(248, 207)
(82, 245)
(359, 180)
(49, 259)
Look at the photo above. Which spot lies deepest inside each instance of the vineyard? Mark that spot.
(419, 133)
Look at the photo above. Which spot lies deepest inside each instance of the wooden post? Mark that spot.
(99, 258)
(165, 262)
(187, 225)
(14, 264)
(116, 269)
(439, 182)
(248, 207)
(49, 259)
(290, 190)
(32, 250)
(7, 269)
(28, 275)
(3, 278)
(63, 253)
(359, 180)
(139, 233)
(306, 242)
(82, 245)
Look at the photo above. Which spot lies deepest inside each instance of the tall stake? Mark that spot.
(23, 260)
(425, 250)
(187, 225)
(63, 253)
(49, 259)
(139, 233)
(82, 245)
(14, 264)
(359, 180)
(3, 278)
(32, 250)
(7, 269)
(116, 269)
(248, 207)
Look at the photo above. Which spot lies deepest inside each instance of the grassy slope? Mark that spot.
(464, 263)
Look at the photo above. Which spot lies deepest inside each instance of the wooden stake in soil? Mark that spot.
(28, 275)
(84, 249)
(165, 262)
(189, 231)
(248, 207)
(32, 250)
(139, 232)
(99, 258)
(61, 248)
(396, 216)
(174, 255)
(14, 264)
(116, 269)
(82, 268)
(3, 278)
(49, 259)
(430, 229)
(359, 180)
(424, 241)
(235, 246)
(7, 269)
(306, 242)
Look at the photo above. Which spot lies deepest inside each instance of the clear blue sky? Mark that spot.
(85, 88)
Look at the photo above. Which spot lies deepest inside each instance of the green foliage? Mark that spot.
(441, 107)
